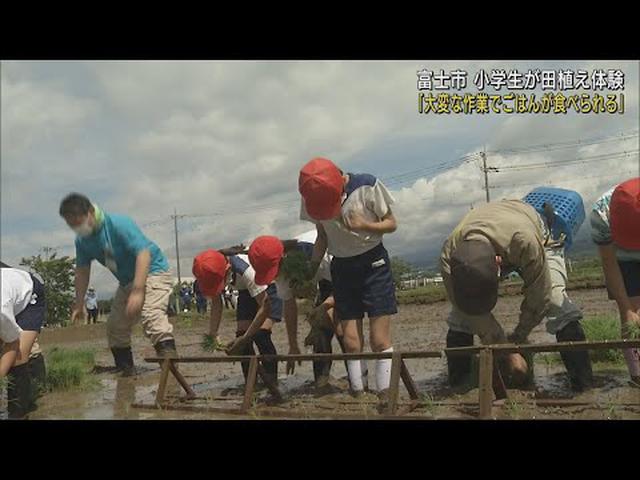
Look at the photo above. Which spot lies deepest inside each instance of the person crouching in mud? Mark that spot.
(21, 318)
(615, 229)
(258, 308)
(273, 260)
(491, 241)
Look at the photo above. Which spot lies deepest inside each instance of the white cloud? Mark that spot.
(38, 113)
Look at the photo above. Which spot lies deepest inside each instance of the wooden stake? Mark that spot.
(250, 385)
(409, 384)
(485, 382)
(394, 384)
(183, 383)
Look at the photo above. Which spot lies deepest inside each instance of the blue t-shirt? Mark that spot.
(116, 246)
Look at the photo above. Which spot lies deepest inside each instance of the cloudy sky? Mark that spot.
(223, 142)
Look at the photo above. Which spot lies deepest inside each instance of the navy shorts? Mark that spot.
(631, 277)
(364, 284)
(248, 307)
(325, 290)
(32, 317)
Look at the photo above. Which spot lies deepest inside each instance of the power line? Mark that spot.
(529, 166)
(570, 144)
(559, 180)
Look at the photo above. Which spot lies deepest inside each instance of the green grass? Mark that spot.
(69, 369)
(634, 330)
(585, 274)
(603, 327)
(548, 359)
(422, 295)
(514, 408)
(209, 344)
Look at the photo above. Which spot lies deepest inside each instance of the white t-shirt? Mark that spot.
(600, 220)
(17, 294)
(323, 273)
(366, 195)
(244, 275)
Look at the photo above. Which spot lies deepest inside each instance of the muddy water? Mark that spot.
(415, 327)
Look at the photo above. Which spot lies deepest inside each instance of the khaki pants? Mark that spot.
(560, 313)
(155, 322)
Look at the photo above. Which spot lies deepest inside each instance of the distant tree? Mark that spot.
(399, 267)
(58, 277)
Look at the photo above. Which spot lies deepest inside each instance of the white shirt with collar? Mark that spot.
(366, 196)
(17, 294)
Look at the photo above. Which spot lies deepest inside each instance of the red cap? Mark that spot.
(210, 268)
(321, 185)
(265, 254)
(624, 211)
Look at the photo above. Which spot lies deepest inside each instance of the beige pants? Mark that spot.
(155, 322)
(561, 312)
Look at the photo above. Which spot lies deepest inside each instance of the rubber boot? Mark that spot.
(265, 345)
(577, 363)
(247, 350)
(459, 366)
(123, 358)
(383, 401)
(38, 372)
(166, 348)
(19, 392)
(322, 368)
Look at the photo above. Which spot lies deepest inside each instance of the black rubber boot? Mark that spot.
(38, 372)
(166, 348)
(247, 350)
(322, 368)
(265, 345)
(459, 366)
(577, 363)
(19, 392)
(123, 358)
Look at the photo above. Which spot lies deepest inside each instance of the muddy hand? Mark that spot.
(134, 303)
(319, 318)
(235, 347)
(516, 367)
(312, 337)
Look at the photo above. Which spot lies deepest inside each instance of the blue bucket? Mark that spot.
(567, 205)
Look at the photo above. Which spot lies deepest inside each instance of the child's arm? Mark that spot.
(262, 315)
(387, 224)
(320, 246)
(615, 284)
(291, 322)
(216, 316)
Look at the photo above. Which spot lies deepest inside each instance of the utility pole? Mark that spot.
(175, 228)
(486, 174)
